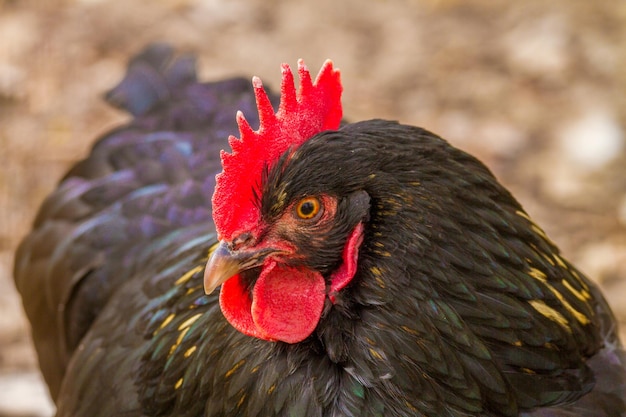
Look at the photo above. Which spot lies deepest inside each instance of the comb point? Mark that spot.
(264, 105)
(288, 95)
(306, 84)
(257, 83)
(245, 130)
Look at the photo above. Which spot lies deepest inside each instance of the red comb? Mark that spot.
(314, 108)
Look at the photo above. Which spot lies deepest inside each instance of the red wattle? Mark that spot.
(288, 302)
(236, 306)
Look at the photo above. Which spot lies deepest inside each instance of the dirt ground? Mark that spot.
(536, 89)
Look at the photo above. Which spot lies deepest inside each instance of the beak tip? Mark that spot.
(224, 264)
(218, 268)
(209, 282)
(208, 290)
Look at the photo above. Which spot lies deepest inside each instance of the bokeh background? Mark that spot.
(535, 89)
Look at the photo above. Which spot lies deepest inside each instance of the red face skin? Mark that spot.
(285, 302)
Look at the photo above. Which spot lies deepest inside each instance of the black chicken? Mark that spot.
(366, 270)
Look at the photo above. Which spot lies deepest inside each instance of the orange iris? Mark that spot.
(308, 207)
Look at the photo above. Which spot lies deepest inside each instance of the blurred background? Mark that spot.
(535, 89)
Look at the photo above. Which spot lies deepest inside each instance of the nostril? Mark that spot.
(243, 239)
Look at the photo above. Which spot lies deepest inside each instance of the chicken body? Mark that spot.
(460, 305)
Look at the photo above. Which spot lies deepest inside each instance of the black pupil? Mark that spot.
(307, 208)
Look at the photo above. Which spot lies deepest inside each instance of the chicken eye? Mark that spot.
(308, 207)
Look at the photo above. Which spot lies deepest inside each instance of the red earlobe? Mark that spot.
(342, 276)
